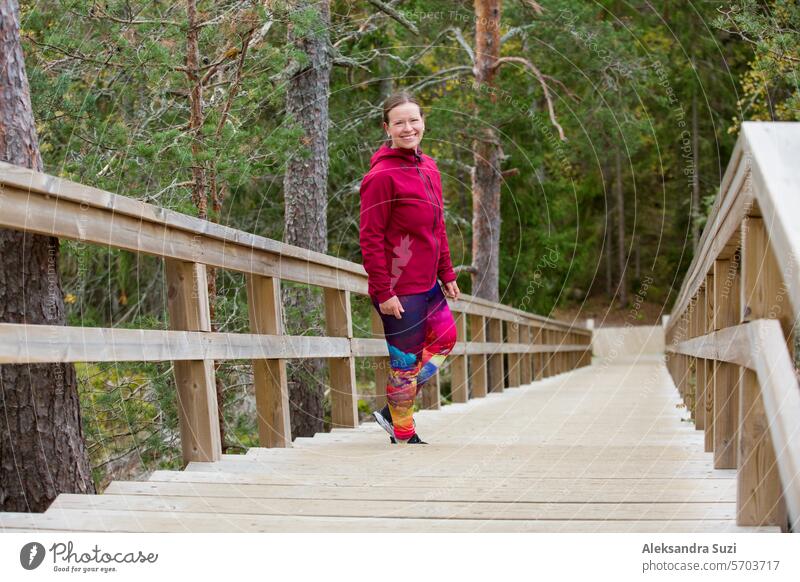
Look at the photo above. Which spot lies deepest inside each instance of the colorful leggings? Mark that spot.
(418, 344)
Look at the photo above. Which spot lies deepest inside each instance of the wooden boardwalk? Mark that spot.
(605, 448)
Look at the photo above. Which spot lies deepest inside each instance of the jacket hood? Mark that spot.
(385, 152)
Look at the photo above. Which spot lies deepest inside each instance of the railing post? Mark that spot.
(551, 367)
(496, 375)
(198, 413)
(537, 339)
(459, 386)
(525, 339)
(709, 367)
(477, 362)
(338, 322)
(269, 375)
(587, 355)
(691, 394)
(683, 360)
(759, 498)
(700, 363)
(431, 394)
(382, 363)
(512, 330)
(726, 376)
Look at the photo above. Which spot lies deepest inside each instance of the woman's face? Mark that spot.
(405, 126)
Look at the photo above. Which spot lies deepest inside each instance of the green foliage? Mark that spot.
(111, 102)
(770, 86)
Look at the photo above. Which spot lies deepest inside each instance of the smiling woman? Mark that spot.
(404, 249)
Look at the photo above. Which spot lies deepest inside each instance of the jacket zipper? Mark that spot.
(432, 197)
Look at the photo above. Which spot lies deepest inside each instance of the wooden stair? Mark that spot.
(599, 449)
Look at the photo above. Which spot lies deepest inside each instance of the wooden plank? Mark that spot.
(508, 470)
(514, 360)
(726, 376)
(420, 509)
(181, 238)
(382, 363)
(265, 311)
(635, 486)
(526, 373)
(775, 149)
(731, 344)
(477, 363)
(141, 521)
(342, 371)
(699, 407)
(21, 343)
(459, 386)
(710, 367)
(494, 361)
(760, 498)
(431, 393)
(538, 358)
(556, 490)
(781, 399)
(760, 495)
(188, 306)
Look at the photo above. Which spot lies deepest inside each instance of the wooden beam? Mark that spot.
(382, 363)
(269, 375)
(342, 371)
(495, 361)
(726, 375)
(477, 363)
(527, 359)
(514, 360)
(188, 307)
(459, 386)
(759, 490)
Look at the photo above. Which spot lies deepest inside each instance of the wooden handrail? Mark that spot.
(730, 334)
(38, 203)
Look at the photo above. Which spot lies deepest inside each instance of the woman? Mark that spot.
(404, 247)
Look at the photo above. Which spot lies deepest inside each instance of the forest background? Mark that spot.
(611, 122)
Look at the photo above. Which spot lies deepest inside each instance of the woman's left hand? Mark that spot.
(451, 290)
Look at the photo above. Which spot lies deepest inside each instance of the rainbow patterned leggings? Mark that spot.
(418, 345)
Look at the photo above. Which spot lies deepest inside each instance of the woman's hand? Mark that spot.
(392, 307)
(451, 290)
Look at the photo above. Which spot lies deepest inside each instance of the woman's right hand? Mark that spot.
(392, 307)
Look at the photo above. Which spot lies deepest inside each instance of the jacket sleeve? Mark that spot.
(376, 201)
(445, 270)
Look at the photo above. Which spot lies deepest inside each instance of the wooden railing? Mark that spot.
(730, 337)
(536, 346)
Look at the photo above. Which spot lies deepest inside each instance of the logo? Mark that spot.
(31, 555)
(402, 255)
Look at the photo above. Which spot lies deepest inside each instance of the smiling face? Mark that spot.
(405, 126)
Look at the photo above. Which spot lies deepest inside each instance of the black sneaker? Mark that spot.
(384, 418)
(415, 440)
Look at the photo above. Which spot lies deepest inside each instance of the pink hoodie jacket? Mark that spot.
(403, 236)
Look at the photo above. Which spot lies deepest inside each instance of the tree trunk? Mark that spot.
(622, 289)
(488, 153)
(42, 451)
(200, 181)
(306, 205)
